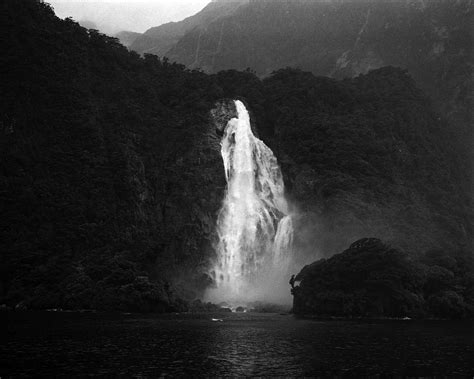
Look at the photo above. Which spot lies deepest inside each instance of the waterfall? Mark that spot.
(254, 229)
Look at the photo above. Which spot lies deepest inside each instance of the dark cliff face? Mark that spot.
(372, 279)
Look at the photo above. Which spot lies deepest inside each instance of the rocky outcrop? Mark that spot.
(223, 111)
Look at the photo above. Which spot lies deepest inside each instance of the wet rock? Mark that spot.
(223, 111)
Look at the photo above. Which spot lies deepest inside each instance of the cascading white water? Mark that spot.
(283, 241)
(254, 228)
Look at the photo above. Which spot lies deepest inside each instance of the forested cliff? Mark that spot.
(108, 170)
(111, 175)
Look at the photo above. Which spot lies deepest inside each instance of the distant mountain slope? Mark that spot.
(432, 39)
(161, 39)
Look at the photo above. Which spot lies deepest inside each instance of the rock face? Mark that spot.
(371, 279)
(223, 111)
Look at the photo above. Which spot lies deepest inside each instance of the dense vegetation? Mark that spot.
(368, 155)
(111, 174)
(371, 279)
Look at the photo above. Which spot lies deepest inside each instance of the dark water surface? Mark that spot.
(75, 344)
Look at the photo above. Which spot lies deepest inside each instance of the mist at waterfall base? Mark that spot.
(254, 225)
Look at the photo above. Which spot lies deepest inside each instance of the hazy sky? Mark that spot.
(112, 16)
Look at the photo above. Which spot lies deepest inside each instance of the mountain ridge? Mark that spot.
(433, 40)
(158, 40)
